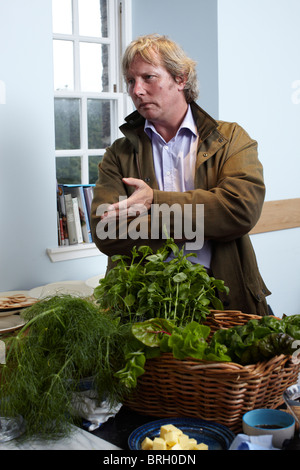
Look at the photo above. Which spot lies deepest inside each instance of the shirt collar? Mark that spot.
(187, 123)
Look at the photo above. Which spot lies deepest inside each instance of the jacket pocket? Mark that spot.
(259, 292)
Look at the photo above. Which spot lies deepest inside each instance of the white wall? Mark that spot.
(27, 164)
(258, 68)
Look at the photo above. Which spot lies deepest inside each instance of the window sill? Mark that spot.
(66, 253)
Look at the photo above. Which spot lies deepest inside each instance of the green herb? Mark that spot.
(292, 325)
(151, 332)
(66, 340)
(157, 336)
(189, 341)
(148, 285)
(259, 339)
(271, 345)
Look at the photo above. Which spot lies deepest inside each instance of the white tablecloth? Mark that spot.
(78, 440)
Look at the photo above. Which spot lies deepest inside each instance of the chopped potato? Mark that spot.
(172, 438)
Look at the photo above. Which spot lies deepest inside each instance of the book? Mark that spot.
(89, 194)
(63, 237)
(70, 219)
(77, 191)
(76, 213)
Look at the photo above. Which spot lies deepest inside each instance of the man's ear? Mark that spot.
(181, 81)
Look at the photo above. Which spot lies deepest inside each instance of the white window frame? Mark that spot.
(119, 23)
(118, 15)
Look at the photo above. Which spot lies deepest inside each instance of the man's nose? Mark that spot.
(138, 88)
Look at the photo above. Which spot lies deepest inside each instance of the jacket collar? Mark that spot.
(133, 128)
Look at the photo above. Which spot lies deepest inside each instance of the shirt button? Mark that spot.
(168, 173)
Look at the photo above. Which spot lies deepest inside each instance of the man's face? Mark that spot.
(153, 90)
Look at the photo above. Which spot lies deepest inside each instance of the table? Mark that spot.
(79, 439)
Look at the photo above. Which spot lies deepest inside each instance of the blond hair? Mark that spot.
(169, 54)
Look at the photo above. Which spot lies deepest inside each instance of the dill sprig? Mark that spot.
(66, 339)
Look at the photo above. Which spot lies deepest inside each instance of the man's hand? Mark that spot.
(138, 203)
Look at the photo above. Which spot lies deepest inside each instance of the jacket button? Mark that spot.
(205, 155)
(147, 180)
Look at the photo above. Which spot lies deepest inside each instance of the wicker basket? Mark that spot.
(215, 391)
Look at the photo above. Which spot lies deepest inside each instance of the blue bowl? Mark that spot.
(214, 435)
(279, 424)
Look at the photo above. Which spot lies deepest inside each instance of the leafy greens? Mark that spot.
(155, 285)
(255, 341)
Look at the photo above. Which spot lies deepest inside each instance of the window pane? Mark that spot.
(99, 127)
(68, 170)
(93, 168)
(93, 18)
(63, 65)
(67, 123)
(62, 16)
(94, 67)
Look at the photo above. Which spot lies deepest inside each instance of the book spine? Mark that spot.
(88, 193)
(59, 236)
(85, 222)
(77, 220)
(62, 216)
(70, 219)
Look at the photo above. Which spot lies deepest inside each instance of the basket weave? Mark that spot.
(215, 391)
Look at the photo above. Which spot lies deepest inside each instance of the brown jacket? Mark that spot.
(228, 181)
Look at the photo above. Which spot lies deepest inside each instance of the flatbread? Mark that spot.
(16, 301)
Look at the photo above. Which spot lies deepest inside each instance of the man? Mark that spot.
(174, 154)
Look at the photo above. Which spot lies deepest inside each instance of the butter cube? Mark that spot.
(191, 444)
(159, 444)
(168, 428)
(176, 447)
(171, 438)
(183, 440)
(201, 446)
(147, 444)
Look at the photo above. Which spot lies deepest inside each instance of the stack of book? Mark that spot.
(74, 213)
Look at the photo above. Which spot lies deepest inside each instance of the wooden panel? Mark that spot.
(278, 215)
